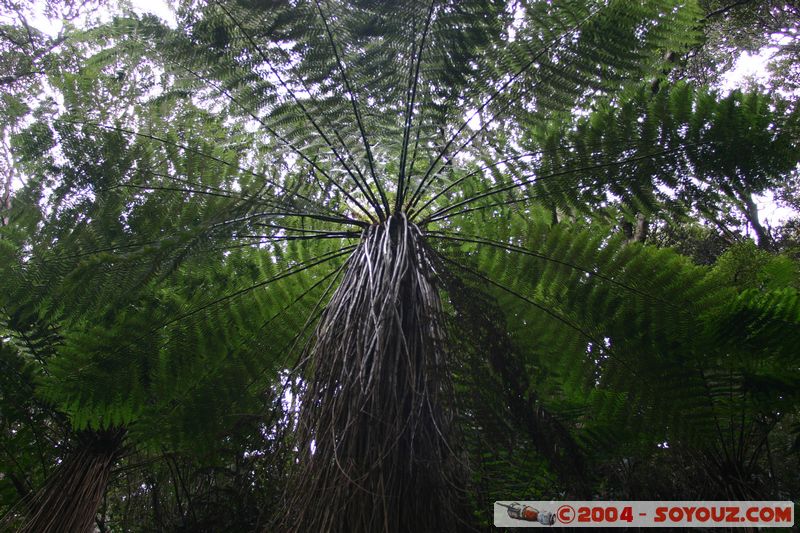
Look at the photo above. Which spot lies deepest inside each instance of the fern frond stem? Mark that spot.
(245, 196)
(563, 148)
(312, 316)
(523, 199)
(542, 308)
(247, 340)
(202, 154)
(451, 157)
(289, 347)
(171, 189)
(316, 309)
(407, 114)
(286, 141)
(519, 200)
(308, 115)
(320, 233)
(366, 189)
(228, 247)
(289, 214)
(54, 257)
(312, 216)
(420, 189)
(291, 271)
(324, 218)
(193, 183)
(29, 344)
(316, 236)
(350, 157)
(416, 148)
(497, 189)
(353, 102)
(291, 228)
(215, 194)
(306, 234)
(499, 112)
(295, 269)
(413, 74)
(476, 172)
(448, 236)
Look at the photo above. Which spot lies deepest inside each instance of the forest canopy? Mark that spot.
(315, 265)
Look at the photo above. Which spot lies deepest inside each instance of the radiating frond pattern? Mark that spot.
(392, 226)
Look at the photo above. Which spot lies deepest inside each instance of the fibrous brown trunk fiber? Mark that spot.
(376, 412)
(68, 502)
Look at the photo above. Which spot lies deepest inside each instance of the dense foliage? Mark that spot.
(371, 266)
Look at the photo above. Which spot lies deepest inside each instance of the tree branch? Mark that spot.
(723, 10)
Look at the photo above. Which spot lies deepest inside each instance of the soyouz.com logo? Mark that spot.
(644, 514)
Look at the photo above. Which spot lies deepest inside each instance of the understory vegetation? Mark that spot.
(314, 265)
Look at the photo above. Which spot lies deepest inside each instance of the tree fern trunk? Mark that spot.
(375, 416)
(68, 502)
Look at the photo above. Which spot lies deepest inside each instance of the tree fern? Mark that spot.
(304, 197)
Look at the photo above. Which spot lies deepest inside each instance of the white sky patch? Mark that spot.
(473, 119)
(159, 8)
(42, 23)
(771, 213)
(519, 18)
(753, 67)
(53, 27)
(748, 67)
